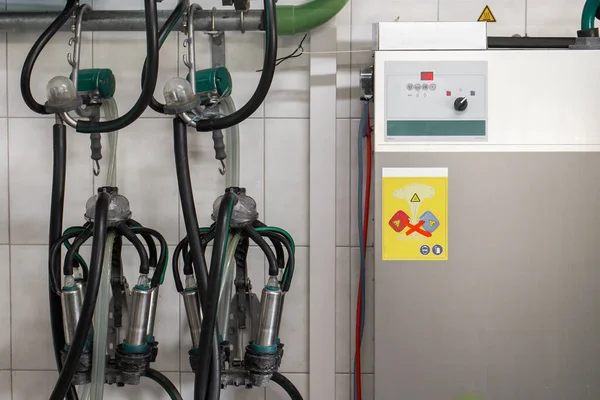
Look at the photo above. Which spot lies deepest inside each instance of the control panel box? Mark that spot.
(433, 100)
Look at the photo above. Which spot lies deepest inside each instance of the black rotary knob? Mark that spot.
(460, 104)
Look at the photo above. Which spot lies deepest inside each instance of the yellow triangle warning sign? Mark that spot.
(415, 199)
(486, 15)
(431, 223)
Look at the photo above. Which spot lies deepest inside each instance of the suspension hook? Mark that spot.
(75, 41)
(223, 168)
(96, 168)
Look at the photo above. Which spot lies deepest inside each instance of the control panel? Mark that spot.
(433, 100)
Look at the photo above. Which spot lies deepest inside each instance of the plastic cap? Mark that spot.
(177, 91)
(60, 90)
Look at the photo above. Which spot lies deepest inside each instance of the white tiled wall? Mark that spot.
(275, 160)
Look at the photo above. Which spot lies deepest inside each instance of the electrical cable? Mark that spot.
(87, 311)
(149, 84)
(163, 34)
(128, 234)
(264, 246)
(264, 84)
(211, 302)
(59, 171)
(360, 309)
(286, 385)
(35, 52)
(190, 217)
(298, 52)
(165, 383)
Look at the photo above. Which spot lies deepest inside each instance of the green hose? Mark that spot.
(68, 245)
(305, 17)
(588, 16)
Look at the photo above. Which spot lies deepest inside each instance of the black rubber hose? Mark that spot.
(59, 172)
(163, 252)
(175, 264)
(266, 78)
(149, 84)
(209, 317)
(89, 303)
(193, 231)
(53, 265)
(128, 234)
(264, 246)
(163, 33)
(70, 257)
(152, 255)
(35, 52)
(286, 385)
(165, 383)
(276, 245)
(214, 384)
(291, 262)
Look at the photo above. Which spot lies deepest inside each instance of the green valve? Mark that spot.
(215, 81)
(101, 80)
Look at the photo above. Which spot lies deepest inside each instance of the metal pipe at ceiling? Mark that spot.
(129, 21)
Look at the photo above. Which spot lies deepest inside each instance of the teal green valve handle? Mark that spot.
(101, 80)
(213, 81)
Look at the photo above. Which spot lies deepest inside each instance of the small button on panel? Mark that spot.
(418, 87)
(432, 86)
(425, 86)
(410, 86)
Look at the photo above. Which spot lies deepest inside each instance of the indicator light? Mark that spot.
(426, 76)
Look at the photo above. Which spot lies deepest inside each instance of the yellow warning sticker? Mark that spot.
(415, 214)
(487, 15)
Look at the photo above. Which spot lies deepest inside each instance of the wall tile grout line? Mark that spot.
(10, 311)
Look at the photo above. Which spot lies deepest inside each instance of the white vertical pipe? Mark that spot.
(323, 68)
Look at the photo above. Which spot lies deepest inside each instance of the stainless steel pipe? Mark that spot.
(131, 21)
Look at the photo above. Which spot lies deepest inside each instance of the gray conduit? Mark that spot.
(128, 21)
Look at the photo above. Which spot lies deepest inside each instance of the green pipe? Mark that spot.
(305, 17)
(588, 16)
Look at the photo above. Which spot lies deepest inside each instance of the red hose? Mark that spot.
(369, 173)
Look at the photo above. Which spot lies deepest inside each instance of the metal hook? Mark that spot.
(75, 41)
(223, 168)
(96, 168)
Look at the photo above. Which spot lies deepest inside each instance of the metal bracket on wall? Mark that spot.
(217, 48)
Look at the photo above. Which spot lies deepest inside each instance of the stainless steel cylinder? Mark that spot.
(271, 303)
(139, 316)
(152, 317)
(280, 312)
(194, 314)
(72, 302)
(82, 286)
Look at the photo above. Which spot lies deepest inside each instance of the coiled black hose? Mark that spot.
(35, 52)
(193, 233)
(128, 234)
(89, 303)
(156, 279)
(70, 257)
(286, 385)
(59, 171)
(149, 84)
(152, 256)
(266, 78)
(264, 246)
